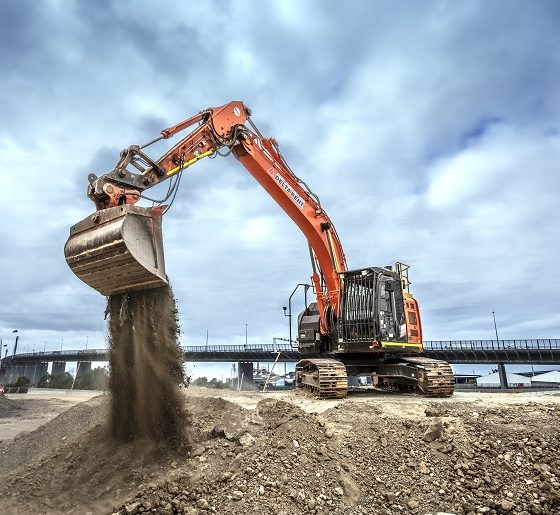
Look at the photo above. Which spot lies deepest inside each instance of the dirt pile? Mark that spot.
(29, 447)
(9, 407)
(361, 458)
(71, 465)
(462, 459)
(283, 453)
(146, 367)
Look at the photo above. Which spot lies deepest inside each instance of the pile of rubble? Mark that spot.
(370, 454)
(356, 459)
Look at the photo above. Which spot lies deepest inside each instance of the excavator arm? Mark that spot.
(223, 127)
(136, 171)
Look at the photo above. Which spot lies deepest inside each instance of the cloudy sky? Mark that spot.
(430, 131)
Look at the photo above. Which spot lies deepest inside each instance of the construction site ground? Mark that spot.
(285, 453)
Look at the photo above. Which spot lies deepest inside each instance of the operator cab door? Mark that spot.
(371, 309)
(392, 326)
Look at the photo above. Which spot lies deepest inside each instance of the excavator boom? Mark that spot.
(116, 249)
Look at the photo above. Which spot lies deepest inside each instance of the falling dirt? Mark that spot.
(146, 368)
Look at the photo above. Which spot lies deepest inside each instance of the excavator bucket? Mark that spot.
(118, 249)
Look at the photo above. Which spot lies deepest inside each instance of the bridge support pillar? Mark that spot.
(9, 376)
(82, 368)
(34, 370)
(58, 368)
(40, 371)
(502, 375)
(7, 373)
(17, 371)
(245, 375)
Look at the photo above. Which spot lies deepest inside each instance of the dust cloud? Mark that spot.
(146, 368)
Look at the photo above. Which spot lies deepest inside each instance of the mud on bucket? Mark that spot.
(118, 249)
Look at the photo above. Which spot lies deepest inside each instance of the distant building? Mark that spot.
(493, 381)
(548, 379)
(466, 378)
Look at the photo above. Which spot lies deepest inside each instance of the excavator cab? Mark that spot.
(118, 249)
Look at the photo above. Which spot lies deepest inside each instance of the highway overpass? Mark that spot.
(502, 352)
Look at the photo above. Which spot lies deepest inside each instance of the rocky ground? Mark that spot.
(283, 453)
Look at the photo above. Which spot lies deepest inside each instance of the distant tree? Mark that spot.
(61, 381)
(96, 379)
(216, 383)
(22, 381)
(201, 381)
(213, 383)
(44, 381)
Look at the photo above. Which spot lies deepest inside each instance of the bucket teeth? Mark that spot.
(118, 249)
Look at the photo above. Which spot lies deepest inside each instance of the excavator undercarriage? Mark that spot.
(327, 378)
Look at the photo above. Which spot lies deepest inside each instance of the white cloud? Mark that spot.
(430, 134)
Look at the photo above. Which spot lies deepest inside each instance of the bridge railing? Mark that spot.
(444, 345)
(531, 344)
(61, 353)
(265, 347)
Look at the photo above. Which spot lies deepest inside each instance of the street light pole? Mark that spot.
(496, 329)
(16, 342)
(245, 336)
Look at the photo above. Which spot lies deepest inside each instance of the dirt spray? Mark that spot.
(146, 367)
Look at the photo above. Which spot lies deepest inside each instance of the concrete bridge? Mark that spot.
(500, 352)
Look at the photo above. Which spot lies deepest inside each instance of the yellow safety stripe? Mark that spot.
(399, 344)
(190, 162)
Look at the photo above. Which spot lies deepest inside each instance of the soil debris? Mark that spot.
(282, 453)
(146, 368)
(9, 407)
(500, 462)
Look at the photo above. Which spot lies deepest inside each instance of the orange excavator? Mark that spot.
(364, 322)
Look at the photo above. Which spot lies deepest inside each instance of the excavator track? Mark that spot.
(429, 377)
(324, 378)
(435, 377)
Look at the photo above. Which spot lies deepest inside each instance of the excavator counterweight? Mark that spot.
(118, 249)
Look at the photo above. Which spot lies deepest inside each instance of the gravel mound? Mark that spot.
(29, 448)
(396, 454)
(73, 463)
(359, 459)
(10, 407)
